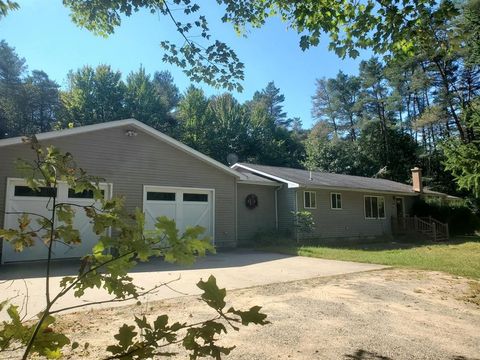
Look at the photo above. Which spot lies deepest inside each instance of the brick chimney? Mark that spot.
(417, 179)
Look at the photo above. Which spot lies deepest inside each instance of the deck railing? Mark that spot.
(427, 226)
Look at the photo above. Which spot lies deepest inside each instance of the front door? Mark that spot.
(400, 208)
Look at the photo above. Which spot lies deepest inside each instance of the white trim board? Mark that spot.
(119, 123)
(291, 184)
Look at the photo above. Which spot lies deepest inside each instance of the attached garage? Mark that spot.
(152, 171)
(187, 206)
(21, 199)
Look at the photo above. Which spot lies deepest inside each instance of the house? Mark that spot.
(163, 176)
(342, 206)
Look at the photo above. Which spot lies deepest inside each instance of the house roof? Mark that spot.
(301, 178)
(251, 178)
(133, 124)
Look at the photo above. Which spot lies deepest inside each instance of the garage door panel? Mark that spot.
(197, 214)
(153, 210)
(31, 205)
(188, 207)
(16, 202)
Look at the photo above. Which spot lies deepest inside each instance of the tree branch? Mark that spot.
(114, 300)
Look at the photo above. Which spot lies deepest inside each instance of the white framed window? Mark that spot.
(374, 207)
(309, 199)
(335, 201)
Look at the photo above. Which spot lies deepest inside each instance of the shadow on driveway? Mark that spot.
(67, 267)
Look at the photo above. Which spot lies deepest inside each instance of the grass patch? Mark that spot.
(458, 257)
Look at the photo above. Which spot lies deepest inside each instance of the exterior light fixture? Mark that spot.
(131, 133)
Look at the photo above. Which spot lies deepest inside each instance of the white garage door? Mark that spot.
(187, 206)
(20, 198)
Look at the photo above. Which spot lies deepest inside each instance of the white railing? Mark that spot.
(428, 226)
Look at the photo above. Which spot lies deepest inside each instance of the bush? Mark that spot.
(460, 218)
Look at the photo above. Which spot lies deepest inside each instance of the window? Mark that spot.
(309, 200)
(85, 194)
(41, 192)
(374, 207)
(160, 196)
(336, 201)
(195, 197)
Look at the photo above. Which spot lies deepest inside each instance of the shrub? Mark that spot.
(460, 218)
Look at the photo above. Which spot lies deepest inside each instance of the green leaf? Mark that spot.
(125, 336)
(212, 294)
(252, 316)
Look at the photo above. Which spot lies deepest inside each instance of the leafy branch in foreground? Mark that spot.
(201, 59)
(122, 243)
(147, 339)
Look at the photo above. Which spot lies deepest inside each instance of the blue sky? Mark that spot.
(42, 33)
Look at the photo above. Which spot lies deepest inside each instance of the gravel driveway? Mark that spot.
(318, 309)
(380, 315)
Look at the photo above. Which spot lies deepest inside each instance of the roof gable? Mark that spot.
(134, 124)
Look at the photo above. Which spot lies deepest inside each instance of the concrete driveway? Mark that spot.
(233, 270)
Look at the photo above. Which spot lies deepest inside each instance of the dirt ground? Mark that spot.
(387, 314)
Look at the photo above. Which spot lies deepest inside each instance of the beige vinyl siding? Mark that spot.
(262, 218)
(131, 162)
(286, 204)
(349, 222)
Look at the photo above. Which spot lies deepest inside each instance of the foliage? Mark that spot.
(204, 59)
(93, 96)
(106, 267)
(463, 158)
(336, 102)
(382, 26)
(6, 6)
(220, 126)
(385, 27)
(144, 339)
(303, 222)
(151, 101)
(460, 218)
(28, 104)
(396, 113)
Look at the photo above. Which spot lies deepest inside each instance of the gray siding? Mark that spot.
(350, 221)
(286, 204)
(260, 219)
(131, 162)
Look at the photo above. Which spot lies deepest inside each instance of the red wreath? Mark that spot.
(251, 201)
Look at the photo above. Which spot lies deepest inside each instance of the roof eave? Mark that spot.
(253, 182)
(337, 188)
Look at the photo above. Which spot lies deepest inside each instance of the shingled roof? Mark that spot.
(301, 178)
